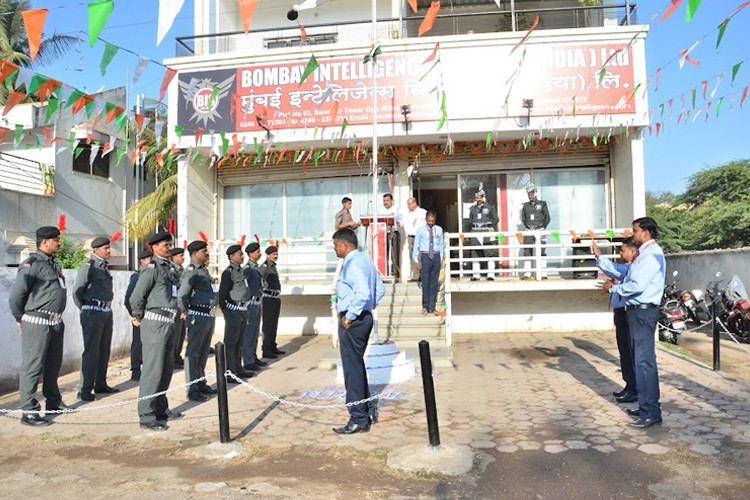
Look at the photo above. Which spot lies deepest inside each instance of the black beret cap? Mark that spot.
(145, 254)
(233, 249)
(251, 247)
(176, 251)
(100, 242)
(159, 237)
(272, 249)
(47, 232)
(196, 245)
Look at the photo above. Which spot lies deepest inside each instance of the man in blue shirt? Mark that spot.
(428, 254)
(642, 291)
(617, 273)
(358, 291)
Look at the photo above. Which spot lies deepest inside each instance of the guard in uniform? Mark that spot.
(271, 303)
(535, 217)
(234, 297)
(136, 348)
(37, 301)
(93, 294)
(154, 305)
(483, 218)
(177, 256)
(254, 282)
(196, 300)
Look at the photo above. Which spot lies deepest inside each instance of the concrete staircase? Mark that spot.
(400, 319)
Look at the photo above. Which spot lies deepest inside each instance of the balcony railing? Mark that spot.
(26, 176)
(460, 23)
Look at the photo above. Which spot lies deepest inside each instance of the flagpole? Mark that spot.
(375, 232)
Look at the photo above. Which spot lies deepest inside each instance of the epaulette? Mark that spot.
(30, 260)
(151, 264)
(191, 267)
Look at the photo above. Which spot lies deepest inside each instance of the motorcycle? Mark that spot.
(694, 303)
(672, 314)
(733, 305)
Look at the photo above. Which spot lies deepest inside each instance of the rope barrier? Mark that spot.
(731, 335)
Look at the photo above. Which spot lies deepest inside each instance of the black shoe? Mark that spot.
(105, 389)
(490, 278)
(232, 380)
(627, 398)
(633, 412)
(170, 415)
(252, 368)
(245, 374)
(270, 355)
(34, 420)
(352, 428)
(59, 407)
(261, 363)
(474, 279)
(278, 351)
(645, 423)
(211, 351)
(86, 396)
(619, 394)
(200, 398)
(155, 425)
(179, 363)
(373, 417)
(136, 376)
(208, 391)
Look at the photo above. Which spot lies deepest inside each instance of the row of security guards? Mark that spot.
(156, 297)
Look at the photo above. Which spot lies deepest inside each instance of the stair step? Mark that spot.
(441, 356)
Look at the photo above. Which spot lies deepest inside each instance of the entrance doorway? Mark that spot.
(439, 193)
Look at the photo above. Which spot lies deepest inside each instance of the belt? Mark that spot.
(640, 306)
(98, 303)
(361, 315)
(273, 294)
(42, 318)
(239, 306)
(90, 307)
(619, 309)
(210, 314)
(481, 228)
(254, 301)
(161, 314)
(205, 308)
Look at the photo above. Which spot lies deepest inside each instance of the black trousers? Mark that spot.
(353, 343)
(41, 358)
(626, 353)
(97, 343)
(234, 328)
(271, 312)
(430, 274)
(200, 329)
(179, 338)
(158, 364)
(136, 350)
(641, 326)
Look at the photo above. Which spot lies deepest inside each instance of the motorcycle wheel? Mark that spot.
(693, 316)
(674, 338)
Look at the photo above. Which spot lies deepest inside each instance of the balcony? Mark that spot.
(466, 19)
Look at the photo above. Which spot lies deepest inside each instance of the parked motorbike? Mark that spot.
(693, 301)
(733, 305)
(672, 313)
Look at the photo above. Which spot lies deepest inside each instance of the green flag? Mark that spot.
(109, 54)
(52, 104)
(718, 105)
(735, 70)
(691, 8)
(120, 152)
(693, 94)
(317, 156)
(77, 153)
(610, 234)
(18, 134)
(312, 65)
(443, 111)
(373, 54)
(722, 28)
(121, 121)
(344, 124)
(556, 235)
(98, 14)
(224, 143)
(500, 238)
(488, 141)
(36, 81)
(178, 129)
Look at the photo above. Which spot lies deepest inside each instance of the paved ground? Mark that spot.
(536, 409)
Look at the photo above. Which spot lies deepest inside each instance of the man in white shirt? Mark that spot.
(394, 233)
(414, 218)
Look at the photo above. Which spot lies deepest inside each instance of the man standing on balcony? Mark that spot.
(358, 291)
(177, 256)
(254, 282)
(93, 293)
(483, 219)
(37, 301)
(234, 298)
(642, 292)
(136, 348)
(414, 218)
(154, 305)
(271, 303)
(196, 301)
(535, 217)
(428, 255)
(343, 218)
(394, 234)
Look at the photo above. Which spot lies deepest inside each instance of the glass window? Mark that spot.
(312, 206)
(252, 210)
(470, 184)
(82, 163)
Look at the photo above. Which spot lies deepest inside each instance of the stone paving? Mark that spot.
(509, 392)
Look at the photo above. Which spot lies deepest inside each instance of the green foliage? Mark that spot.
(712, 213)
(72, 255)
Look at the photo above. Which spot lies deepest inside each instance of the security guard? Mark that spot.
(196, 299)
(535, 217)
(483, 218)
(254, 282)
(177, 257)
(93, 293)
(136, 348)
(271, 303)
(234, 297)
(37, 301)
(154, 305)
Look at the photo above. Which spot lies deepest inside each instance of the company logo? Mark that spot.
(205, 95)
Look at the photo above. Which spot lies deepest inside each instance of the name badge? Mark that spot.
(62, 282)
(174, 290)
(531, 217)
(246, 285)
(215, 287)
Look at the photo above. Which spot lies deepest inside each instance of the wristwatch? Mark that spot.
(346, 321)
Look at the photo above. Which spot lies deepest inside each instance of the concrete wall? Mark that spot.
(22, 213)
(10, 355)
(196, 202)
(696, 269)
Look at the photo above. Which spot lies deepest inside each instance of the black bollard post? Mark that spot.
(429, 393)
(221, 388)
(715, 327)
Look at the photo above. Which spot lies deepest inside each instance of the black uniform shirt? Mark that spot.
(196, 288)
(270, 276)
(232, 287)
(156, 288)
(482, 218)
(129, 291)
(40, 286)
(94, 282)
(535, 214)
(253, 279)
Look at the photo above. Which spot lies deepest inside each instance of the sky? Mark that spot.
(678, 152)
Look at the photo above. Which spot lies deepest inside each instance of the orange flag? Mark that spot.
(47, 131)
(527, 35)
(302, 35)
(592, 235)
(573, 235)
(429, 18)
(247, 9)
(3, 132)
(81, 102)
(47, 88)
(34, 21)
(520, 238)
(334, 110)
(413, 5)
(6, 69)
(11, 101)
(168, 76)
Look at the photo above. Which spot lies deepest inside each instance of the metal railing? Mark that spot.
(26, 176)
(459, 21)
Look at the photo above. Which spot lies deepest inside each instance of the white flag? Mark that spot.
(142, 63)
(168, 10)
(307, 4)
